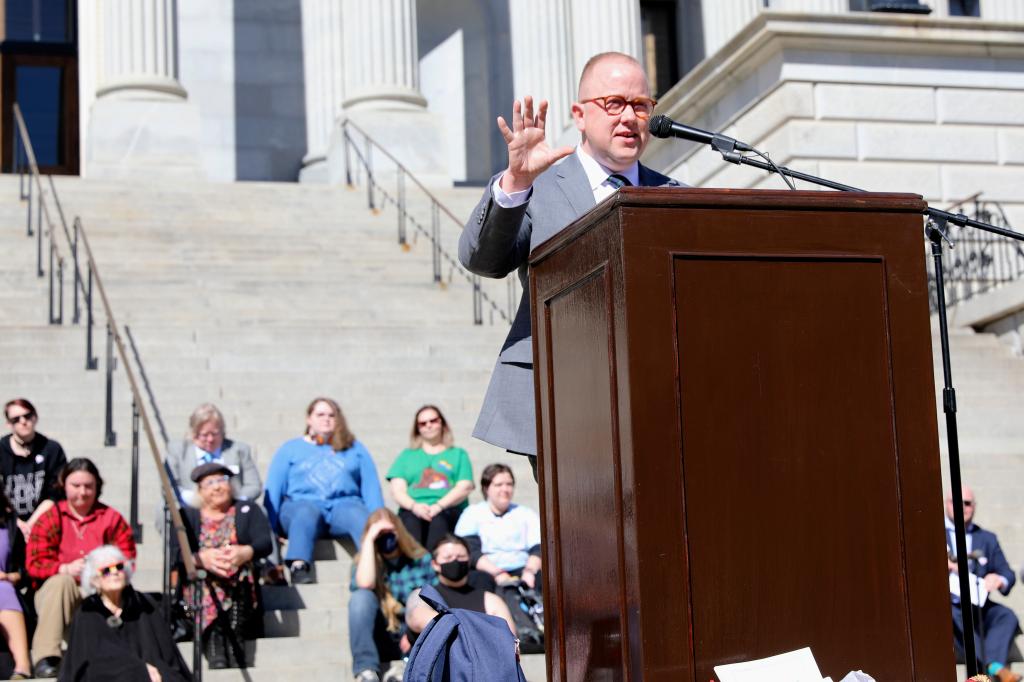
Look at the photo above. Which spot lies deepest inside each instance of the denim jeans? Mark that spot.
(304, 521)
(368, 636)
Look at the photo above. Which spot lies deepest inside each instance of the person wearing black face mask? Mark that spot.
(389, 567)
(451, 562)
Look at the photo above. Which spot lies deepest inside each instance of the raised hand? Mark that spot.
(528, 152)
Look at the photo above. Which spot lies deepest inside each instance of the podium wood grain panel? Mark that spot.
(738, 444)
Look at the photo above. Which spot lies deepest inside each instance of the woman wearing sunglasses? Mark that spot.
(431, 479)
(30, 464)
(227, 536)
(118, 633)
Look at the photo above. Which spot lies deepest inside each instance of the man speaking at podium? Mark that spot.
(538, 195)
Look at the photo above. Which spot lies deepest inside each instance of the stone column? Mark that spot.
(141, 118)
(723, 19)
(381, 90)
(323, 61)
(541, 60)
(1002, 10)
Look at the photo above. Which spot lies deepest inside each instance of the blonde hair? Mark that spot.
(342, 438)
(407, 545)
(416, 440)
(207, 412)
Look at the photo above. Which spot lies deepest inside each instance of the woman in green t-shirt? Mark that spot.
(431, 479)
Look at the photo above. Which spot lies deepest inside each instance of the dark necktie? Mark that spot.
(617, 181)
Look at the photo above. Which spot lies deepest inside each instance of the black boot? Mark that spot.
(215, 649)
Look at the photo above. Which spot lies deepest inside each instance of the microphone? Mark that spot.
(663, 126)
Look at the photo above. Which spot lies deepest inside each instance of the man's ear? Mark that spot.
(577, 115)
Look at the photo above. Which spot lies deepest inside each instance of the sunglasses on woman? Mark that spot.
(27, 417)
(112, 568)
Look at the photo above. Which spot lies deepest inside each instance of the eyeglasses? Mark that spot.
(112, 568)
(428, 422)
(203, 435)
(211, 481)
(614, 105)
(27, 417)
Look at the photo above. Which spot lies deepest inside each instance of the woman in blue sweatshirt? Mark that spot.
(322, 484)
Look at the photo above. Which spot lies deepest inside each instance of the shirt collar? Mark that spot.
(597, 174)
(201, 455)
(65, 508)
(969, 528)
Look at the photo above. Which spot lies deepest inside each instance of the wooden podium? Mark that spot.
(737, 436)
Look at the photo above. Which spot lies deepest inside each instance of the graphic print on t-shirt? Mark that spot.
(432, 479)
(23, 490)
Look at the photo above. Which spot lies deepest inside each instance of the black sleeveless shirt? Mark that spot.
(465, 597)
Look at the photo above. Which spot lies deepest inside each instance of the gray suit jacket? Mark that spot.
(497, 241)
(246, 483)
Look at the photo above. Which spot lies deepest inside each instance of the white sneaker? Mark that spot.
(395, 673)
(367, 676)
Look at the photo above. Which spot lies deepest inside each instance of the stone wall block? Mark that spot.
(998, 183)
(920, 178)
(911, 142)
(812, 139)
(1011, 146)
(874, 102)
(980, 106)
(788, 101)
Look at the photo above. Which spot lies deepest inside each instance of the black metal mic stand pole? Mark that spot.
(935, 231)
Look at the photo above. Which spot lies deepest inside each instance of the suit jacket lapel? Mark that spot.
(572, 180)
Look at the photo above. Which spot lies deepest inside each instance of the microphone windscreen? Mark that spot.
(660, 126)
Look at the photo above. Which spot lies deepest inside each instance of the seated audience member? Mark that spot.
(30, 464)
(503, 537)
(990, 568)
(208, 442)
(451, 562)
(12, 568)
(431, 479)
(322, 484)
(55, 555)
(118, 633)
(390, 565)
(227, 537)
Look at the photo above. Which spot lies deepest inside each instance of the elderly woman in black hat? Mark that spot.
(227, 536)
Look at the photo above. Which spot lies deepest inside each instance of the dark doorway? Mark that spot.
(39, 71)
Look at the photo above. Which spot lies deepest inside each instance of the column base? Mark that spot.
(314, 170)
(415, 137)
(143, 138)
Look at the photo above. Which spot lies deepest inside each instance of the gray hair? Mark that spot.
(205, 413)
(102, 556)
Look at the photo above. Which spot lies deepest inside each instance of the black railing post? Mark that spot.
(91, 361)
(53, 317)
(39, 234)
(400, 179)
(28, 218)
(77, 314)
(435, 238)
(110, 439)
(348, 159)
(478, 304)
(369, 175)
(168, 606)
(136, 527)
(197, 625)
(19, 166)
(60, 291)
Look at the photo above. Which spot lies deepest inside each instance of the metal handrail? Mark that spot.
(979, 261)
(439, 254)
(193, 573)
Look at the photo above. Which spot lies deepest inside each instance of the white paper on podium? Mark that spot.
(976, 598)
(794, 666)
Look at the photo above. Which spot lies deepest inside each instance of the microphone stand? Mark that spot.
(936, 233)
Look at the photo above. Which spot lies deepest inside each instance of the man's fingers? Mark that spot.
(504, 129)
(528, 120)
(561, 153)
(517, 116)
(542, 114)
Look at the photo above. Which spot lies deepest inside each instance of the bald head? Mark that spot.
(606, 59)
(970, 504)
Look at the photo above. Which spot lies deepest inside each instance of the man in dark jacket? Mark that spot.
(995, 624)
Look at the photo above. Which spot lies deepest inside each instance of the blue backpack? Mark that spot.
(462, 646)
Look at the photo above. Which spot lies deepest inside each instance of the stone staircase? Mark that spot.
(257, 297)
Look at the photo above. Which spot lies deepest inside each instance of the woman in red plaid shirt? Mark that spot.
(56, 551)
